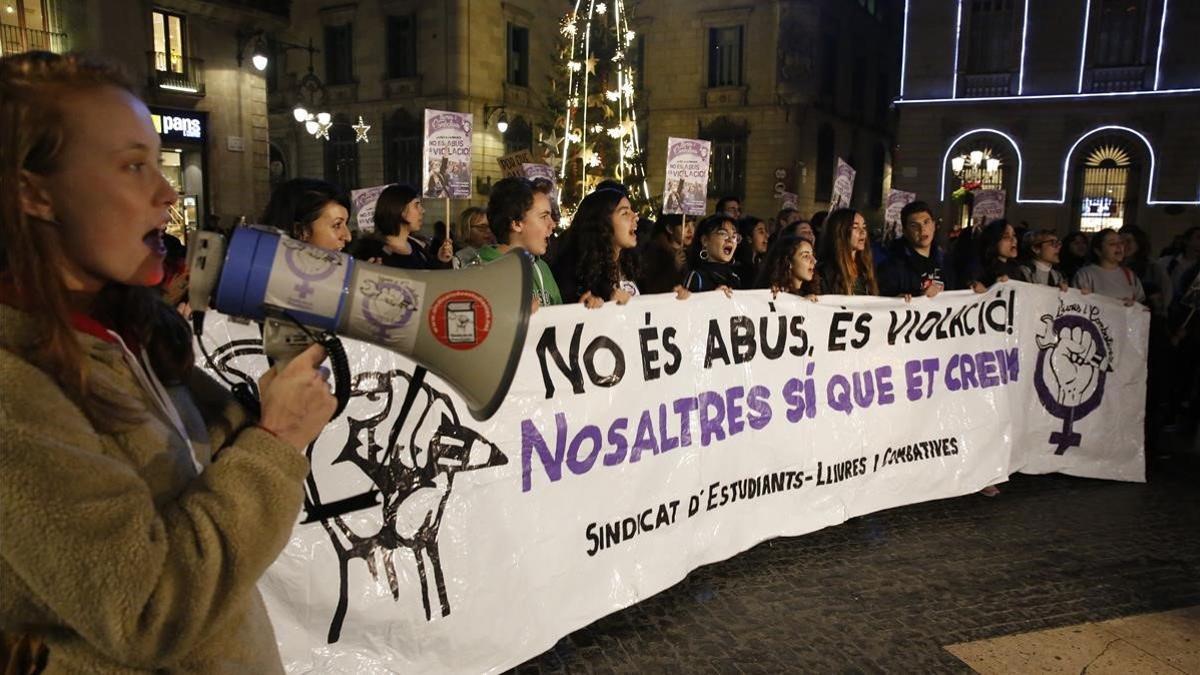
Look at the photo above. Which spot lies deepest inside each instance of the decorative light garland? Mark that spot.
(582, 62)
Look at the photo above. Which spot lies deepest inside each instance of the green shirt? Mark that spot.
(545, 289)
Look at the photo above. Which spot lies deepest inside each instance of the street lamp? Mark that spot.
(258, 54)
(977, 165)
(501, 121)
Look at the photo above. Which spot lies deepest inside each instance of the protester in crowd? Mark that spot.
(1183, 265)
(520, 217)
(846, 265)
(311, 210)
(784, 218)
(1156, 283)
(124, 468)
(710, 258)
(1106, 274)
(1042, 259)
(730, 206)
(996, 259)
(817, 222)
(612, 184)
(791, 267)
(752, 248)
(399, 214)
(471, 233)
(664, 259)
(1073, 254)
(916, 265)
(597, 261)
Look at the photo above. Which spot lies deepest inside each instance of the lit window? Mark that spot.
(1104, 188)
(169, 51)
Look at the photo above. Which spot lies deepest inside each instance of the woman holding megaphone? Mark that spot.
(135, 516)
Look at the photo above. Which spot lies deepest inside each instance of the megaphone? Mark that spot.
(467, 326)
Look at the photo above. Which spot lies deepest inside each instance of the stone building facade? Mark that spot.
(805, 81)
(781, 87)
(190, 60)
(1089, 105)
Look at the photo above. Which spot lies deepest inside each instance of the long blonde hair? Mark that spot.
(33, 130)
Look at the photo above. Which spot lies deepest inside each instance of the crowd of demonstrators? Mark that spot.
(311, 210)
(99, 393)
(399, 214)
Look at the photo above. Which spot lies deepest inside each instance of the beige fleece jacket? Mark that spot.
(115, 548)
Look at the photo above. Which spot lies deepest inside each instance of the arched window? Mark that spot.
(825, 161)
(341, 155)
(518, 137)
(1106, 186)
(402, 149)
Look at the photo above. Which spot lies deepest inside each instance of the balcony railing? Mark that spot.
(1120, 78)
(14, 40)
(986, 84)
(172, 72)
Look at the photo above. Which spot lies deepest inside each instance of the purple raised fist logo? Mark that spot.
(1074, 358)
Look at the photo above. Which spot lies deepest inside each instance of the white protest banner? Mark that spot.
(843, 185)
(446, 157)
(989, 205)
(896, 201)
(686, 189)
(510, 164)
(363, 202)
(640, 442)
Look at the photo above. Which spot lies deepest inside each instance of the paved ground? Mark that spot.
(886, 592)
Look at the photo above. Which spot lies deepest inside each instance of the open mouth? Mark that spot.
(154, 241)
(727, 250)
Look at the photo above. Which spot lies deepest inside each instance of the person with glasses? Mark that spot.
(1044, 250)
(472, 233)
(915, 265)
(710, 257)
(847, 267)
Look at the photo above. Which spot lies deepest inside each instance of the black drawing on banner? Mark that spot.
(414, 477)
(1074, 359)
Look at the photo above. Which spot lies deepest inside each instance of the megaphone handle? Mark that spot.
(341, 372)
(410, 396)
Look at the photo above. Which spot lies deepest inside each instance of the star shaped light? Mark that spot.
(591, 65)
(322, 130)
(360, 131)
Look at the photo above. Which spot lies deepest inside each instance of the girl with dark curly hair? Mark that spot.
(791, 267)
(596, 262)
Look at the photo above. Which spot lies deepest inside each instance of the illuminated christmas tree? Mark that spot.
(595, 134)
